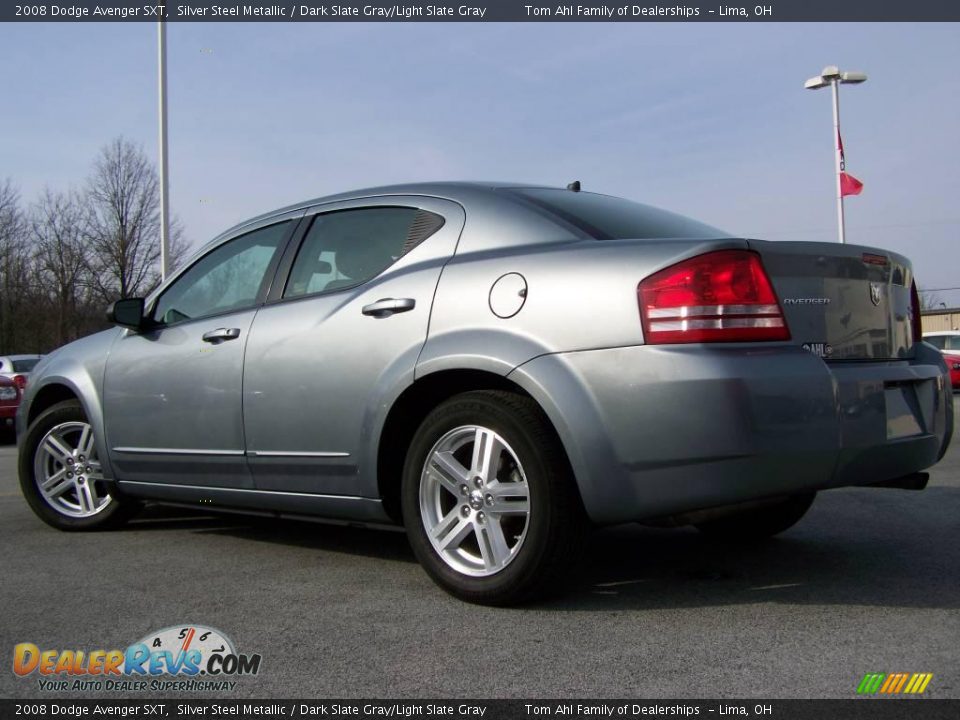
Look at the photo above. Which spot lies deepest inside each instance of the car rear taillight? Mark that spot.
(916, 324)
(722, 296)
(20, 381)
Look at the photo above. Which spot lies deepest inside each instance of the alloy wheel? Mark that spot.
(68, 473)
(474, 500)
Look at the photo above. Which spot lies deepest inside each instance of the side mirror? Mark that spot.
(128, 313)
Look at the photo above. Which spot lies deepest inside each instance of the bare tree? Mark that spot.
(56, 225)
(929, 300)
(15, 262)
(122, 223)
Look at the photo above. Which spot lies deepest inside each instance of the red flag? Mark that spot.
(849, 185)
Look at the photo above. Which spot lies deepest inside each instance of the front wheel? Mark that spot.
(489, 502)
(60, 473)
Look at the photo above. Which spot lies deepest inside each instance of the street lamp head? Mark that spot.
(853, 77)
(831, 74)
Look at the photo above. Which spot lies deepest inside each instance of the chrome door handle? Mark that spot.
(221, 334)
(389, 306)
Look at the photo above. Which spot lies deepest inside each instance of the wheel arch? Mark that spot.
(408, 412)
(59, 388)
(48, 396)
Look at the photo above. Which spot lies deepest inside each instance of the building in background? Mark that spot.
(940, 319)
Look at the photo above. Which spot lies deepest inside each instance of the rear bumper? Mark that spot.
(658, 430)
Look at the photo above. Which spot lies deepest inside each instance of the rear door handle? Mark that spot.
(389, 306)
(221, 335)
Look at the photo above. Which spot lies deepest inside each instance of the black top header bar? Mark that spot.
(479, 11)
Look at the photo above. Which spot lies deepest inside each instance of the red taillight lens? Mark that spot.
(722, 296)
(20, 381)
(916, 323)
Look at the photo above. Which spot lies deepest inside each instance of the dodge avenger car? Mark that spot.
(497, 368)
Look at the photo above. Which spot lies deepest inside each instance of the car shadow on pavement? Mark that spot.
(857, 547)
(385, 543)
(851, 551)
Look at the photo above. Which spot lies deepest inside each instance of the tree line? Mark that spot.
(68, 254)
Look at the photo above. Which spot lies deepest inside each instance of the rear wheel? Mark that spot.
(489, 502)
(760, 522)
(60, 473)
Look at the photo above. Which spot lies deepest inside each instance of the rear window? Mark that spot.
(608, 218)
(22, 366)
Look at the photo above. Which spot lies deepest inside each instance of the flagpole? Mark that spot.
(841, 225)
(164, 188)
(832, 77)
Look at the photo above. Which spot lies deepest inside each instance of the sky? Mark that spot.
(707, 119)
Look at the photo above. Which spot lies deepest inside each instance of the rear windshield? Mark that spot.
(25, 365)
(608, 218)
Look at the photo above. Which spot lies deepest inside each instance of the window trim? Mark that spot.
(285, 271)
(269, 276)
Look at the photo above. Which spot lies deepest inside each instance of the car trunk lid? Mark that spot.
(842, 302)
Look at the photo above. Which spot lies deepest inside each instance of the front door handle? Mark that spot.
(389, 306)
(221, 335)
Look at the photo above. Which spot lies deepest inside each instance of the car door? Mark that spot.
(333, 345)
(172, 393)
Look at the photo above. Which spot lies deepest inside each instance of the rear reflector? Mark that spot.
(916, 322)
(722, 296)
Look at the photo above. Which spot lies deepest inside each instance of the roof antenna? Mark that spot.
(574, 186)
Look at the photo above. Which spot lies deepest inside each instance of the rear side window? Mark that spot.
(348, 247)
(604, 217)
(22, 366)
(953, 342)
(938, 341)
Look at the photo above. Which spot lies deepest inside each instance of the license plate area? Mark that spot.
(909, 408)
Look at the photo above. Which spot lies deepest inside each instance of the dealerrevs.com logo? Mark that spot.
(180, 657)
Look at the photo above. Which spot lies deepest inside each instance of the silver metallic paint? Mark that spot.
(649, 430)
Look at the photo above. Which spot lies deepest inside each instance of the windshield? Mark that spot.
(604, 217)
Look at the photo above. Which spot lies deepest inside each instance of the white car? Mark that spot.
(944, 340)
(18, 367)
(948, 342)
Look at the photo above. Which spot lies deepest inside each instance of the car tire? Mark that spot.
(759, 522)
(496, 532)
(59, 442)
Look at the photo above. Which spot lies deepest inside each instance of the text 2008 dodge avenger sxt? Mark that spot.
(497, 367)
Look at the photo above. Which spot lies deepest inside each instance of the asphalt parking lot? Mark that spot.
(868, 582)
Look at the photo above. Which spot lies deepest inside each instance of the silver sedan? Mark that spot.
(498, 368)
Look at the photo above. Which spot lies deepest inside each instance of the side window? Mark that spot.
(228, 278)
(348, 247)
(953, 342)
(936, 340)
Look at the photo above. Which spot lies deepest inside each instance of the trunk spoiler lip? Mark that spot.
(845, 250)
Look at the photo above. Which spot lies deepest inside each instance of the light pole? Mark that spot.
(832, 77)
(164, 188)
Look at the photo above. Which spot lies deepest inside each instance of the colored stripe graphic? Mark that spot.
(894, 683)
(870, 683)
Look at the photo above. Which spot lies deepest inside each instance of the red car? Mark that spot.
(948, 342)
(9, 402)
(953, 362)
